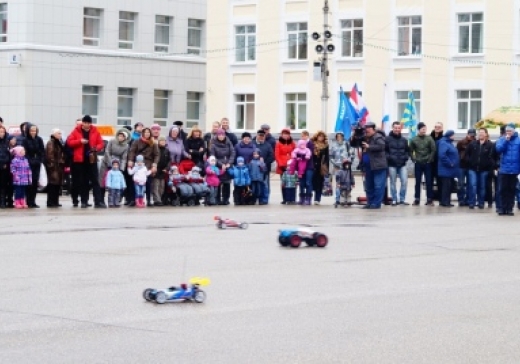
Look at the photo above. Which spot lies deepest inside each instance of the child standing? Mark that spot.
(241, 180)
(289, 183)
(22, 176)
(140, 173)
(300, 156)
(115, 182)
(257, 173)
(344, 184)
(212, 180)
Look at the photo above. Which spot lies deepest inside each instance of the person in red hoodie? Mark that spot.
(85, 142)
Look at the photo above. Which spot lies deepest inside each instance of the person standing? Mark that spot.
(5, 170)
(375, 166)
(267, 154)
(282, 154)
(320, 160)
(479, 157)
(306, 180)
(436, 134)
(508, 147)
(35, 154)
(196, 148)
(463, 177)
(183, 135)
(55, 164)
(224, 152)
(210, 136)
(245, 148)
(449, 164)
(493, 179)
(149, 151)
(397, 153)
(268, 136)
(423, 153)
(231, 136)
(86, 142)
(117, 148)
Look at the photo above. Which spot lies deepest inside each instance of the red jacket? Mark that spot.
(282, 153)
(74, 142)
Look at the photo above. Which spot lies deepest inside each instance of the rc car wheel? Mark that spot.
(295, 241)
(222, 226)
(321, 240)
(243, 225)
(200, 296)
(160, 297)
(146, 294)
(283, 241)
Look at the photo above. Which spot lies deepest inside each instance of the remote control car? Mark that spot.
(225, 223)
(191, 292)
(294, 237)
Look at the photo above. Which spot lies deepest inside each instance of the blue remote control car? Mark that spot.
(293, 237)
(191, 292)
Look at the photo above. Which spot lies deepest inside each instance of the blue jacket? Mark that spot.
(510, 154)
(257, 170)
(448, 162)
(240, 175)
(115, 180)
(245, 151)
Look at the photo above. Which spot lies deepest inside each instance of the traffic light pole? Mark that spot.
(325, 69)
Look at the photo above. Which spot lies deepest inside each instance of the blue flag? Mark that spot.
(409, 119)
(347, 116)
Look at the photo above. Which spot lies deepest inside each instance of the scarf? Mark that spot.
(147, 141)
(319, 146)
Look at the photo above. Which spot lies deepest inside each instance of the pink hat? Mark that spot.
(221, 132)
(155, 127)
(17, 150)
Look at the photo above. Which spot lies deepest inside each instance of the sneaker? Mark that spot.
(316, 202)
(394, 204)
(416, 203)
(404, 203)
(510, 213)
(471, 207)
(481, 207)
(283, 203)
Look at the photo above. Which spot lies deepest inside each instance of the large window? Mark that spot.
(3, 22)
(126, 29)
(245, 43)
(195, 36)
(90, 102)
(469, 108)
(352, 38)
(409, 34)
(193, 109)
(245, 111)
(297, 36)
(91, 26)
(162, 33)
(160, 106)
(402, 101)
(471, 32)
(296, 111)
(125, 106)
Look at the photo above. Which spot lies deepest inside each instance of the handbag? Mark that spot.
(324, 169)
(42, 180)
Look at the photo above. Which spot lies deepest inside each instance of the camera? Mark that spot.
(358, 137)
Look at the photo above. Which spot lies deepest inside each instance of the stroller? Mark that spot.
(179, 190)
(200, 189)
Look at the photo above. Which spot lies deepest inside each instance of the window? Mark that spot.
(297, 36)
(3, 22)
(162, 33)
(471, 32)
(193, 109)
(245, 111)
(296, 111)
(469, 108)
(402, 101)
(91, 26)
(245, 42)
(409, 35)
(160, 106)
(126, 29)
(125, 106)
(352, 38)
(194, 36)
(90, 102)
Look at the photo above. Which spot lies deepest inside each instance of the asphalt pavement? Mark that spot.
(398, 285)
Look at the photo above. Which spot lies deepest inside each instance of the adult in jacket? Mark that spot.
(375, 166)
(224, 124)
(55, 164)
(146, 147)
(320, 161)
(479, 160)
(195, 146)
(448, 166)
(267, 153)
(463, 177)
(508, 147)
(245, 148)
(224, 152)
(282, 153)
(210, 136)
(175, 146)
(35, 154)
(117, 148)
(6, 183)
(397, 153)
(423, 151)
(85, 142)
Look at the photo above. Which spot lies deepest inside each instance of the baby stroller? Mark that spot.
(200, 189)
(179, 190)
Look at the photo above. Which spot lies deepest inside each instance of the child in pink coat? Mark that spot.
(212, 180)
(300, 155)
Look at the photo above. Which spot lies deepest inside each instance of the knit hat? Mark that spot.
(472, 132)
(212, 159)
(261, 132)
(286, 131)
(289, 162)
(240, 160)
(161, 139)
(138, 124)
(510, 126)
(115, 160)
(128, 127)
(265, 127)
(449, 134)
(17, 150)
(155, 127)
(174, 168)
(257, 151)
(420, 125)
(302, 143)
(139, 158)
(246, 135)
(195, 169)
(87, 119)
(221, 132)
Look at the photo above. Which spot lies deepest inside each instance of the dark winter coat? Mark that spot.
(192, 147)
(223, 151)
(208, 140)
(232, 138)
(479, 156)
(322, 157)
(245, 151)
(423, 149)
(149, 151)
(270, 140)
(34, 148)
(5, 155)
(257, 170)
(164, 162)
(462, 146)
(510, 154)
(54, 161)
(376, 152)
(113, 150)
(397, 150)
(267, 153)
(448, 156)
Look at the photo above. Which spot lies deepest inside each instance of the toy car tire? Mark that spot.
(160, 297)
(295, 241)
(243, 225)
(146, 294)
(321, 240)
(200, 296)
(222, 225)
(283, 241)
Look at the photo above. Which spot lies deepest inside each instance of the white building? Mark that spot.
(119, 61)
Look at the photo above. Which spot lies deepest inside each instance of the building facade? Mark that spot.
(119, 61)
(461, 59)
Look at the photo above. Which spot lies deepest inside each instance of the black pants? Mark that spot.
(73, 186)
(508, 190)
(6, 186)
(491, 186)
(129, 191)
(224, 192)
(238, 195)
(445, 193)
(53, 195)
(32, 189)
(85, 175)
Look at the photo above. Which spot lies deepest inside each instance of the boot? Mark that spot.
(308, 200)
(302, 199)
(18, 204)
(141, 202)
(2, 200)
(23, 202)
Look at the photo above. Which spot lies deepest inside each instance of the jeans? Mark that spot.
(343, 196)
(257, 188)
(403, 177)
(139, 190)
(375, 186)
(426, 170)
(462, 194)
(289, 194)
(114, 197)
(477, 187)
(19, 192)
(508, 191)
(264, 195)
(158, 189)
(306, 183)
